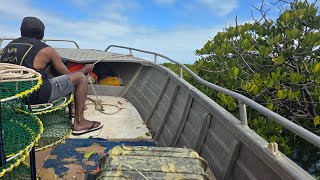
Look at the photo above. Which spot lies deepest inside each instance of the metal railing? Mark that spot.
(44, 40)
(242, 100)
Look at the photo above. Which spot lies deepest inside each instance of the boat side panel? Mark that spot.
(218, 148)
(249, 166)
(226, 144)
(143, 93)
(193, 126)
(174, 118)
(158, 116)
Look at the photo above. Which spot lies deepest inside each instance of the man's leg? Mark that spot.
(80, 83)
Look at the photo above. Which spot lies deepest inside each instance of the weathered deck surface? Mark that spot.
(125, 124)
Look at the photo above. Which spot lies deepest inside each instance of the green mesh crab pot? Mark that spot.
(20, 129)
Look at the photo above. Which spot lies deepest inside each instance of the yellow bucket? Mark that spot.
(112, 81)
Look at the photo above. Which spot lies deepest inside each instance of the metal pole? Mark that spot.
(155, 59)
(2, 155)
(130, 51)
(181, 72)
(70, 110)
(1, 41)
(33, 164)
(243, 113)
(33, 152)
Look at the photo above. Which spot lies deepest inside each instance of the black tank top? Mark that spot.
(22, 51)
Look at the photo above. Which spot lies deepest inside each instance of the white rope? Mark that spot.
(98, 103)
(46, 106)
(16, 73)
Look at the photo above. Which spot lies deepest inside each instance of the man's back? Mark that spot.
(22, 51)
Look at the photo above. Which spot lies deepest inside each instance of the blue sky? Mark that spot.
(175, 28)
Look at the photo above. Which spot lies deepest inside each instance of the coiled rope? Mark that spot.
(16, 73)
(98, 103)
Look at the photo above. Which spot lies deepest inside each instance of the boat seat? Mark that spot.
(158, 163)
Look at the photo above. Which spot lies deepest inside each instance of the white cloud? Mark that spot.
(115, 10)
(165, 2)
(178, 43)
(218, 7)
(81, 3)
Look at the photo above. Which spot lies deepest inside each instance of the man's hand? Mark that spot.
(87, 68)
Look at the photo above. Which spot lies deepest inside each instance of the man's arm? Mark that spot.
(50, 56)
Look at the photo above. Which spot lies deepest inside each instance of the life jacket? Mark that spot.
(22, 51)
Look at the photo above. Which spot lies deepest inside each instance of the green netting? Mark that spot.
(57, 126)
(8, 89)
(17, 80)
(20, 128)
(20, 131)
(58, 104)
(21, 172)
(56, 121)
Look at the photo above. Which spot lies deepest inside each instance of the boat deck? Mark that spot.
(124, 126)
(121, 121)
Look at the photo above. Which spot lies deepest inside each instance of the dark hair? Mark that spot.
(32, 27)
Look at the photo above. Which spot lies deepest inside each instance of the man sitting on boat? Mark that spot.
(31, 52)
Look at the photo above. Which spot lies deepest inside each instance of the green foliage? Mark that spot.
(274, 62)
(270, 131)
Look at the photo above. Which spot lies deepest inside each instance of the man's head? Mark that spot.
(32, 27)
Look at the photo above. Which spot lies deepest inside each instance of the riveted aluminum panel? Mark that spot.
(91, 55)
(192, 128)
(144, 92)
(218, 147)
(249, 166)
(162, 108)
(174, 118)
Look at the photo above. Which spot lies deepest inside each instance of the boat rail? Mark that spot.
(243, 101)
(44, 40)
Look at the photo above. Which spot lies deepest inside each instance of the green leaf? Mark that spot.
(275, 76)
(255, 90)
(269, 83)
(316, 68)
(88, 154)
(295, 78)
(292, 34)
(279, 59)
(316, 120)
(282, 94)
(235, 72)
(148, 134)
(286, 16)
(318, 79)
(292, 95)
(225, 100)
(232, 106)
(270, 106)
